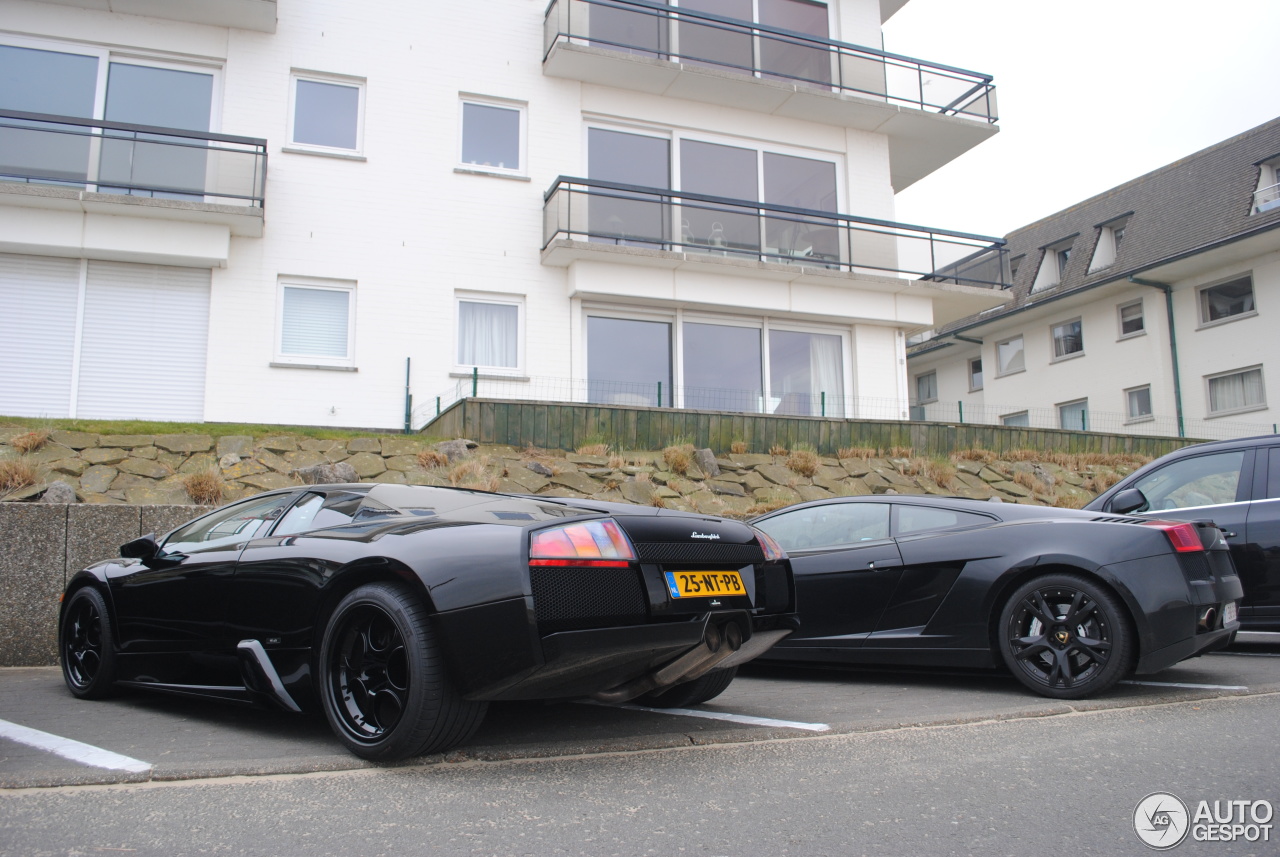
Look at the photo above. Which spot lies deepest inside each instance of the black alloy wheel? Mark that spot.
(1065, 637)
(702, 689)
(383, 682)
(88, 659)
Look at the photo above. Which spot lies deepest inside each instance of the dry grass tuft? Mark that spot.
(764, 506)
(1069, 501)
(738, 447)
(617, 461)
(16, 473)
(473, 473)
(901, 452)
(431, 458)
(679, 458)
(778, 449)
(941, 471)
(864, 452)
(655, 500)
(31, 441)
(1101, 480)
(803, 461)
(611, 484)
(593, 449)
(1032, 482)
(206, 487)
(643, 476)
(986, 456)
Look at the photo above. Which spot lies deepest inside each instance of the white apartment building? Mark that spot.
(1146, 310)
(295, 211)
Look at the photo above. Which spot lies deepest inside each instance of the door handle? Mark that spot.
(882, 565)
(1226, 534)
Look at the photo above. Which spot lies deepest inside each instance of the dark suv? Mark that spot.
(1234, 483)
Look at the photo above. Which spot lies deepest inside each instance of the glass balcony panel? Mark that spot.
(51, 154)
(621, 27)
(153, 166)
(715, 44)
(862, 75)
(793, 59)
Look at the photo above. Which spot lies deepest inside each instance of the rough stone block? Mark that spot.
(143, 467)
(400, 445)
(74, 439)
(280, 443)
(364, 444)
(235, 444)
(127, 441)
(366, 464)
(97, 479)
(95, 532)
(33, 563)
(105, 455)
(157, 494)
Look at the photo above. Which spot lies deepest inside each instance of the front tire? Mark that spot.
(702, 689)
(383, 683)
(84, 643)
(1065, 637)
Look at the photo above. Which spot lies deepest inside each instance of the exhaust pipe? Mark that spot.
(718, 643)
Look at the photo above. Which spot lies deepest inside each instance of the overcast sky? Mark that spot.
(1091, 93)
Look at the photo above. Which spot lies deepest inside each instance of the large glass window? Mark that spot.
(1138, 402)
(801, 183)
(789, 59)
(1074, 416)
(1009, 356)
(226, 526)
(1227, 300)
(712, 43)
(1204, 480)
(62, 84)
(315, 323)
(927, 388)
(1132, 321)
(489, 334)
(492, 136)
(636, 159)
(802, 368)
(326, 113)
(831, 525)
(1067, 339)
(628, 361)
(722, 368)
(1236, 391)
(717, 170)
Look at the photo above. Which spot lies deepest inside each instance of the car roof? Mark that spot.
(1001, 510)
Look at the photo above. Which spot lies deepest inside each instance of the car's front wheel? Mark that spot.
(383, 683)
(702, 689)
(1065, 636)
(88, 659)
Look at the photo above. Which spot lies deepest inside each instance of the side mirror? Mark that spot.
(144, 548)
(1128, 500)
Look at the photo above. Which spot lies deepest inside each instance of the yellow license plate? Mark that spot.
(704, 584)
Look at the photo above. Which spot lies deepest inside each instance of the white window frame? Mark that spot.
(1060, 405)
(1202, 307)
(307, 360)
(501, 299)
(1052, 266)
(971, 361)
(358, 83)
(1120, 308)
(1129, 416)
(1053, 340)
(934, 373)
(1000, 372)
(521, 108)
(1004, 419)
(1208, 399)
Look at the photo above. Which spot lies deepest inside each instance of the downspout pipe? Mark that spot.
(1173, 345)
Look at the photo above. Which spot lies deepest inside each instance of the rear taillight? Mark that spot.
(1184, 537)
(772, 550)
(591, 543)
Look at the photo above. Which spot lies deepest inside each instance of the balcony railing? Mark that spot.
(658, 31)
(1266, 199)
(137, 160)
(708, 227)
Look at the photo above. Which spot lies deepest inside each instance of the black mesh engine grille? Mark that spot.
(1195, 565)
(575, 598)
(700, 552)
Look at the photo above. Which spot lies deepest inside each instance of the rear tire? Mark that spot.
(1065, 636)
(383, 684)
(702, 689)
(85, 645)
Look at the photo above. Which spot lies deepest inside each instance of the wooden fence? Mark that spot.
(567, 425)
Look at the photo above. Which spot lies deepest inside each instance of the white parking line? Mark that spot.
(733, 718)
(85, 754)
(1192, 686)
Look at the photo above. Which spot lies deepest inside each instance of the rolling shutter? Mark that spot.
(144, 345)
(37, 334)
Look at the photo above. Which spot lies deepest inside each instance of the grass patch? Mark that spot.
(429, 458)
(803, 461)
(31, 441)
(679, 458)
(778, 450)
(214, 430)
(16, 474)
(206, 487)
(866, 453)
(738, 447)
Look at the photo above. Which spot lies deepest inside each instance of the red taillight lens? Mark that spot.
(772, 550)
(1184, 537)
(588, 543)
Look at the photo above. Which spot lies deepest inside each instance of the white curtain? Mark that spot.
(825, 373)
(1232, 392)
(488, 334)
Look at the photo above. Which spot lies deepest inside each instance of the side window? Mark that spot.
(317, 511)
(1206, 480)
(1273, 473)
(924, 519)
(238, 522)
(829, 525)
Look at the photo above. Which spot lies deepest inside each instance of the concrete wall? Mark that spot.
(42, 546)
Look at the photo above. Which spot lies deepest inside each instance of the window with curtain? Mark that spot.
(315, 323)
(927, 387)
(488, 334)
(1074, 416)
(802, 368)
(1237, 391)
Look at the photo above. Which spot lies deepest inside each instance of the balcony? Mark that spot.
(930, 113)
(60, 176)
(257, 15)
(1266, 199)
(585, 219)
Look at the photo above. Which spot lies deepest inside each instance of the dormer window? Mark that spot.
(1053, 267)
(1267, 197)
(1110, 238)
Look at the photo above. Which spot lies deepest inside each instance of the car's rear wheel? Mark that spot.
(1065, 636)
(383, 683)
(702, 689)
(88, 659)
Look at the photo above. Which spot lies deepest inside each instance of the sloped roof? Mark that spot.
(1193, 204)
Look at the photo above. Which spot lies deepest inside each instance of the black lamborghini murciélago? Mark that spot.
(402, 610)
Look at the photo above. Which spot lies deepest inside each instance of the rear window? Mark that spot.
(926, 519)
